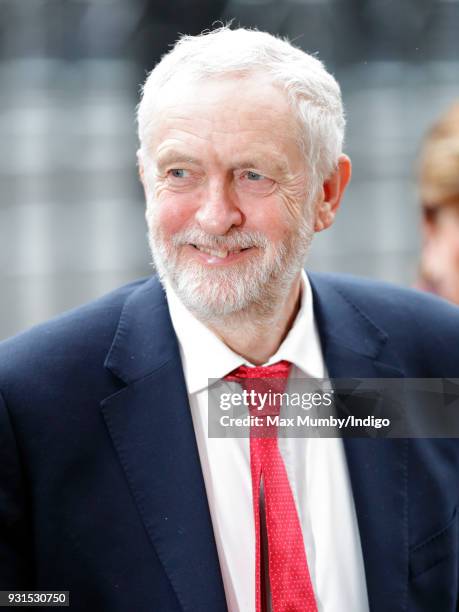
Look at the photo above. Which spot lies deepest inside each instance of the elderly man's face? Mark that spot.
(226, 186)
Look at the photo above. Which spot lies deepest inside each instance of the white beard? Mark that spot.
(257, 285)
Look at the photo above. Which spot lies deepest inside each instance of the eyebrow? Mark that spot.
(271, 164)
(174, 157)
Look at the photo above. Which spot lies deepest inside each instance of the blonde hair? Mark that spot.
(439, 160)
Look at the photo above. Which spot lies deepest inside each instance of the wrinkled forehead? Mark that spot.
(230, 103)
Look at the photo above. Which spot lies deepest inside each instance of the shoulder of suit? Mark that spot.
(405, 314)
(76, 334)
(385, 297)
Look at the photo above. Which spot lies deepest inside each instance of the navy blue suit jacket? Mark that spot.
(101, 490)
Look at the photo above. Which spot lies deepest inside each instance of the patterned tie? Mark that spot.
(291, 588)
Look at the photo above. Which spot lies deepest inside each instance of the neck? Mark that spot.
(255, 334)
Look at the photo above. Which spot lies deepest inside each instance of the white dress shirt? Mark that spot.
(316, 468)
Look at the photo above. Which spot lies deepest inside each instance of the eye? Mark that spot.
(181, 179)
(178, 173)
(254, 176)
(255, 183)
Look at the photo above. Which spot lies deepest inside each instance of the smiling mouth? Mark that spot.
(221, 254)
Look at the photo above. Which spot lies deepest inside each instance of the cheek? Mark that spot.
(172, 212)
(293, 210)
(271, 217)
(293, 198)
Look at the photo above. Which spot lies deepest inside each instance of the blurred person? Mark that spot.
(439, 191)
(111, 487)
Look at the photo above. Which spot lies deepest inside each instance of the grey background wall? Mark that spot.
(71, 208)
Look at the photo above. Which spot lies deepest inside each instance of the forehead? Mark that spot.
(225, 114)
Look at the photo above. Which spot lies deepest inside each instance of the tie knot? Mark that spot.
(280, 370)
(264, 384)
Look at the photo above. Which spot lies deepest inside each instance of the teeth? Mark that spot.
(220, 254)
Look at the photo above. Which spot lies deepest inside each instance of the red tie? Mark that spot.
(291, 588)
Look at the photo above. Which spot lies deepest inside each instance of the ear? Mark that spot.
(331, 193)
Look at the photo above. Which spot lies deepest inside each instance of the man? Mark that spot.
(111, 487)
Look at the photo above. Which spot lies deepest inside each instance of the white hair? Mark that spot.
(312, 92)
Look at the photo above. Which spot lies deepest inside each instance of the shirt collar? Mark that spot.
(205, 356)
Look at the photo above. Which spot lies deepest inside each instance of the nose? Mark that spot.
(218, 211)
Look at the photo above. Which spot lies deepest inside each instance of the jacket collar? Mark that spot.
(345, 328)
(144, 340)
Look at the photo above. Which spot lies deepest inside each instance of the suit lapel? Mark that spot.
(355, 347)
(150, 424)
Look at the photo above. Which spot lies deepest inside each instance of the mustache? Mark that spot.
(232, 241)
